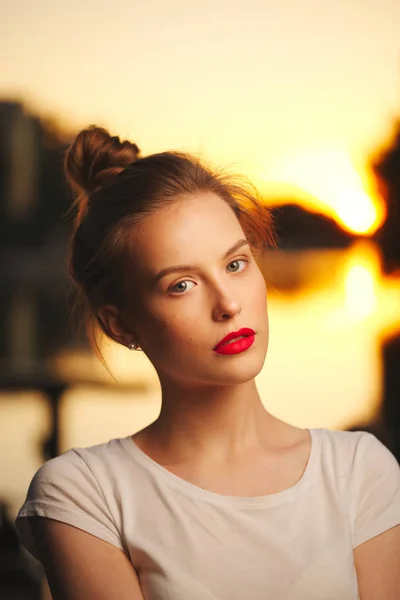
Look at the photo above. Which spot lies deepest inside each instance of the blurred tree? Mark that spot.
(297, 227)
(386, 168)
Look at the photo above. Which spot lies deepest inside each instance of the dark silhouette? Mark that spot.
(297, 227)
(391, 391)
(386, 167)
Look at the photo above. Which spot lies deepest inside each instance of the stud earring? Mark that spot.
(134, 346)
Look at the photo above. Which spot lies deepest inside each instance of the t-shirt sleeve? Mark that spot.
(377, 490)
(65, 489)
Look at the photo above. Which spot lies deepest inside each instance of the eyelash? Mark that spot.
(243, 260)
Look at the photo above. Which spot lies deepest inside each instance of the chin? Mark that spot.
(232, 370)
(242, 370)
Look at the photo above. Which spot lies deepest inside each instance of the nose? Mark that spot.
(225, 307)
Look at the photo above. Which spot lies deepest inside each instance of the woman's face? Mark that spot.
(196, 281)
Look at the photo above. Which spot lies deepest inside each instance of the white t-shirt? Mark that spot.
(188, 543)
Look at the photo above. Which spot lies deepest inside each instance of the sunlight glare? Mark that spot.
(356, 211)
(329, 176)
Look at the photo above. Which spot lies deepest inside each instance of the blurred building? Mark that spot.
(33, 236)
(19, 169)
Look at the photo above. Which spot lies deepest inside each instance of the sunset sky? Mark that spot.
(296, 91)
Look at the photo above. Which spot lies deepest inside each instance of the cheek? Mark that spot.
(259, 291)
(167, 335)
(177, 330)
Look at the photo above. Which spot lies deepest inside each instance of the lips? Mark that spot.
(242, 333)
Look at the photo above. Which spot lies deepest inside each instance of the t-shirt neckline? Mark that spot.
(282, 497)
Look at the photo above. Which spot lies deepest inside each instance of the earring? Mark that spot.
(134, 346)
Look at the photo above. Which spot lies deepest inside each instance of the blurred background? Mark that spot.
(303, 98)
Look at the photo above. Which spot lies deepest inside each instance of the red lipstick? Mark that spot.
(236, 341)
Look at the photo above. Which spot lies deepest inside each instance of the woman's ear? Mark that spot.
(114, 325)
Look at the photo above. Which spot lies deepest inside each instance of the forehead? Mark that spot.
(187, 231)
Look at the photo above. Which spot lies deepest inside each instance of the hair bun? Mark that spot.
(95, 158)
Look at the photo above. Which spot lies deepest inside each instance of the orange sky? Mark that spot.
(295, 91)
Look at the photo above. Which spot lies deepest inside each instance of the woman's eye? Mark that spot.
(181, 287)
(236, 266)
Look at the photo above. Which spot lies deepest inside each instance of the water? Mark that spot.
(329, 311)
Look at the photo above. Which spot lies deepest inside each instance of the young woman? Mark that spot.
(217, 499)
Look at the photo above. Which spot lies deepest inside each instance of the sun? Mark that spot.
(357, 212)
(328, 182)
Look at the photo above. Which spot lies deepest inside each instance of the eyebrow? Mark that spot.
(178, 268)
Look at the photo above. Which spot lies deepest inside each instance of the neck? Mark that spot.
(219, 421)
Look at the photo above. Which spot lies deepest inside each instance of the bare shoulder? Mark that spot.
(80, 566)
(377, 566)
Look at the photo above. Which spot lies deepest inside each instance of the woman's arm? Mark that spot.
(377, 563)
(80, 566)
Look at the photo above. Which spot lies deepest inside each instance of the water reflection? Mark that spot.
(360, 293)
(329, 314)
